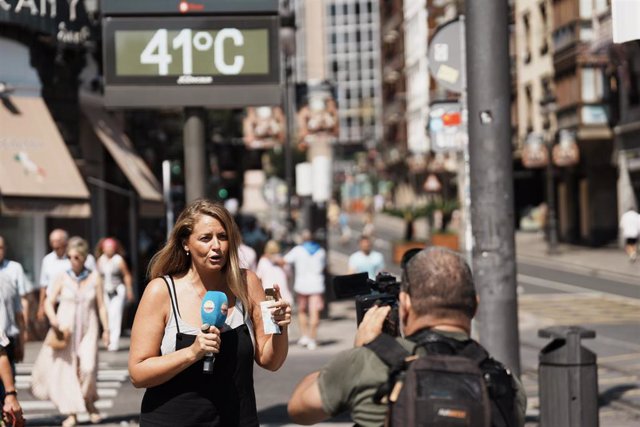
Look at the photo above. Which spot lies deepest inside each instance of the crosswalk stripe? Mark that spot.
(108, 385)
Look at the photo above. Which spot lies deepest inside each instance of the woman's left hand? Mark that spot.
(281, 309)
(105, 338)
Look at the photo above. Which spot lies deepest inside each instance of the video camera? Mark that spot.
(383, 290)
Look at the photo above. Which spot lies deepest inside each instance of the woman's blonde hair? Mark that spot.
(78, 244)
(172, 259)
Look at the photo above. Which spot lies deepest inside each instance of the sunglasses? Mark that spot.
(408, 255)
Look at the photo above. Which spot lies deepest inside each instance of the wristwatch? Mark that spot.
(13, 392)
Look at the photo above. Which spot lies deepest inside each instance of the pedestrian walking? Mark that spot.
(14, 271)
(12, 319)
(345, 230)
(366, 260)
(247, 257)
(309, 261)
(67, 374)
(11, 409)
(54, 264)
(271, 270)
(630, 227)
(117, 284)
(168, 342)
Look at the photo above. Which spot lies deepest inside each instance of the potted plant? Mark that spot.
(409, 215)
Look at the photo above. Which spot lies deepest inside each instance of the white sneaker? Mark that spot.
(312, 345)
(303, 341)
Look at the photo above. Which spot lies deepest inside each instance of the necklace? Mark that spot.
(193, 286)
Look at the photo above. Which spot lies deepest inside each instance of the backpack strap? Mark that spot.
(388, 350)
(394, 356)
(475, 352)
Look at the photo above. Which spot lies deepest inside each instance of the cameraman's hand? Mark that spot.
(371, 325)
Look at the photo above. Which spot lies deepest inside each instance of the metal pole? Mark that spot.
(194, 153)
(492, 215)
(468, 233)
(133, 241)
(166, 194)
(288, 153)
(552, 220)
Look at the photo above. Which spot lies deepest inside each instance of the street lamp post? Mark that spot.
(548, 107)
(288, 45)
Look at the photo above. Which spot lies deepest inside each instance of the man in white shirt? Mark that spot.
(55, 263)
(366, 260)
(309, 260)
(630, 226)
(13, 287)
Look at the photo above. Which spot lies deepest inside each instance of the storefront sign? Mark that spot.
(149, 59)
(65, 19)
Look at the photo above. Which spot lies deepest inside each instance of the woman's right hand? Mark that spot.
(206, 342)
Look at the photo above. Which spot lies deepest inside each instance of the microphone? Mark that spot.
(214, 313)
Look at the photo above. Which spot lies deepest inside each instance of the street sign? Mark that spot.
(209, 61)
(446, 130)
(446, 56)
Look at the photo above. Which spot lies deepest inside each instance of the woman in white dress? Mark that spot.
(117, 282)
(68, 376)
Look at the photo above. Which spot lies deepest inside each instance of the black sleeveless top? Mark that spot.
(194, 399)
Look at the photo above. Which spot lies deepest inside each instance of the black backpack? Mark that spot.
(456, 383)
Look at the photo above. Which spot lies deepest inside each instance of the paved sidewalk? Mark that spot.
(607, 262)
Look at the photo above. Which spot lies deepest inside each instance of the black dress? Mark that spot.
(193, 399)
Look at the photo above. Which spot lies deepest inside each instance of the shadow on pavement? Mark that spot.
(277, 415)
(57, 420)
(615, 393)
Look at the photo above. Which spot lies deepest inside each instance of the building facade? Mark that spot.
(394, 84)
(587, 191)
(65, 162)
(352, 29)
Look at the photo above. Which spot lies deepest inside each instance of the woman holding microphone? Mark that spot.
(167, 345)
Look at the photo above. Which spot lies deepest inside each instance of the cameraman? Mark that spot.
(437, 294)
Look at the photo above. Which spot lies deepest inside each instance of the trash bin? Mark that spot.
(567, 379)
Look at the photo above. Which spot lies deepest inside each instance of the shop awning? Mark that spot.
(37, 173)
(121, 149)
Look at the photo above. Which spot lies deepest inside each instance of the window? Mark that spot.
(527, 38)
(529, 107)
(592, 84)
(544, 46)
(586, 9)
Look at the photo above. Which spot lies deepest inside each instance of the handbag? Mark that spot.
(57, 340)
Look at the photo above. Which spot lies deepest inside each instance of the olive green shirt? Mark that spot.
(350, 380)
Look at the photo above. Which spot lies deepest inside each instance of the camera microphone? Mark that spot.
(214, 313)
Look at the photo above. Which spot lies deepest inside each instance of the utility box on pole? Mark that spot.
(568, 379)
